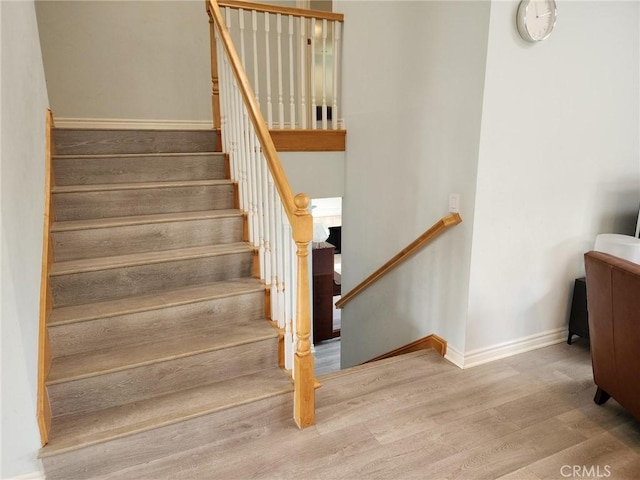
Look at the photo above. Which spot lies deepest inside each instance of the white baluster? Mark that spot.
(266, 220)
(273, 241)
(259, 204)
(250, 177)
(256, 77)
(303, 69)
(280, 101)
(313, 75)
(281, 268)
(292, 106)
(337, 27)
(267, 49)
(324, 74)
(241, 22)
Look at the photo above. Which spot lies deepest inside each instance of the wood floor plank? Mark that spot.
(598, 452)
(480, 423)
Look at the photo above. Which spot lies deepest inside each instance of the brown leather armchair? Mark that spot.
(613, 300)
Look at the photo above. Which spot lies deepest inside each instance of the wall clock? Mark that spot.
(536, 19)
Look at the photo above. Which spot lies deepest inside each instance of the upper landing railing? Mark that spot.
(292, 59)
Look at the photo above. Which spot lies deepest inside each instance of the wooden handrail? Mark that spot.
(268, 147)
(437, 229)
(296, 12)
(297, 211)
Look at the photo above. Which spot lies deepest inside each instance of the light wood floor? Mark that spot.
(527, 417)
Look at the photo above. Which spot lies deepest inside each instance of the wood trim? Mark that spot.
(436, 230)
(296, 12)
(425, 343)
(309, 140)
(215, 84)
(227, 166)
(245, 227)
(256, 263)
(218, 133)
(46, 297)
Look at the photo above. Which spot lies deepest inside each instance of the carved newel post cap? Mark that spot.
(302, 201)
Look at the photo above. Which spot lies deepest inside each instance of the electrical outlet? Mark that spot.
(454, 203)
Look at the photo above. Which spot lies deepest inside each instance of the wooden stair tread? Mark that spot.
(118, 261)
(154, 301)
(75, 431)
(71, 225)
(103, 187)
(139, 155)
(84, 365)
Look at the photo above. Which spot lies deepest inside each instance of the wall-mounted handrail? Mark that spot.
(437, 229)
(257, 169)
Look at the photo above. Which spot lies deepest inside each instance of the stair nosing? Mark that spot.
(149, 258)
(253, 339)
(53, 451)
(135, 155)
(103, 129)
(109, 187)
(156, 306)
(111, 222)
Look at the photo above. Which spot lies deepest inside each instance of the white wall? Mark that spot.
(318, 174)
(24, 100)
(559, 163)
(413, 84)
(127, 59)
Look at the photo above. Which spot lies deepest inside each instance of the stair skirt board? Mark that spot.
(157, 333)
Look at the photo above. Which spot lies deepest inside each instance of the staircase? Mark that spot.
(158, 334)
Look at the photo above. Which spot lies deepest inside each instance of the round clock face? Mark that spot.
(536, 19)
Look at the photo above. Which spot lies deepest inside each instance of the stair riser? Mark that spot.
(85, 171)
(101, 142)
(147, 446)
(144, 201)
(87, 287)
(123, 240)
(111, 389)
(161, 324)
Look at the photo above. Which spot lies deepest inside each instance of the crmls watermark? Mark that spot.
(585, 471)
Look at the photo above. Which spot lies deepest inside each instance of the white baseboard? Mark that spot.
(513, 347)
(30, 476)
(455, 356)
(130, 124)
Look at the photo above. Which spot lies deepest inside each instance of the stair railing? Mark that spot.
(292, 57)
(276, 219)
(436, 230)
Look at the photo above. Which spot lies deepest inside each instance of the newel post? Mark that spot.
(215, 84)
(304, 378)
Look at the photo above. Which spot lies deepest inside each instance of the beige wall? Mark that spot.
(127, 59)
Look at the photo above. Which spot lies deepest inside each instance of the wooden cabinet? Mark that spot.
(322, 272)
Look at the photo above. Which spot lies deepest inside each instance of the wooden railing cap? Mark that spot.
(296, 12)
